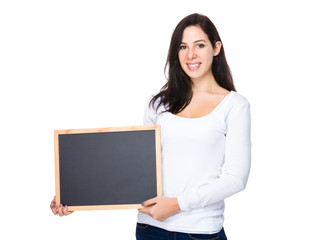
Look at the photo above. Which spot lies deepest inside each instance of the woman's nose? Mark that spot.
(191, 53)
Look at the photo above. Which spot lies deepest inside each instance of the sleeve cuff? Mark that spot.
(182, 204)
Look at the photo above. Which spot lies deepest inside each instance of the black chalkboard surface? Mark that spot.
(107, 168)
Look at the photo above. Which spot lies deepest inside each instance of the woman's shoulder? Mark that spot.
(150, 98)
(238, 99)
(152, 104)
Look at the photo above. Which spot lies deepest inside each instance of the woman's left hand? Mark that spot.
(160, 208)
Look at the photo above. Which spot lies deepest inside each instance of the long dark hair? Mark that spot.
(177, 92)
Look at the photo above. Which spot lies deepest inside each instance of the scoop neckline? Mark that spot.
(211, 113)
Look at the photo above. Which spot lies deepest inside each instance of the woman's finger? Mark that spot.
(65, 211)
(53, 206)
(52, 203)
(54, 210)
(150, 202)
(145, 210)
(60, 210)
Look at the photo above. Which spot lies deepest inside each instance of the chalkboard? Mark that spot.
(107, 168)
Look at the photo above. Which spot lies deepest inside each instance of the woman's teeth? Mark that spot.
(194, 66)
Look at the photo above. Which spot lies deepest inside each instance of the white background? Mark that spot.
(89, 64)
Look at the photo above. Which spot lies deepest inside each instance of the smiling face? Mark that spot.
(196, 53)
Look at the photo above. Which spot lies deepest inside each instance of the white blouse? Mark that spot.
(204, 161)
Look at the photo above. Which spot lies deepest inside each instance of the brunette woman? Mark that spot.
(205, 137)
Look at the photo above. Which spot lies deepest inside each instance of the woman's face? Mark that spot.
(196, 53)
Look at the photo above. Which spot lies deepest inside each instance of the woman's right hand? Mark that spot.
(60, 210)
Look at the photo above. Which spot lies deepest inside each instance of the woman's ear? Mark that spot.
(217, 48)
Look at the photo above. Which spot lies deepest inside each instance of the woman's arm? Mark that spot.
(237, 161)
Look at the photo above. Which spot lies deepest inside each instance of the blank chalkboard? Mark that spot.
(107, 168)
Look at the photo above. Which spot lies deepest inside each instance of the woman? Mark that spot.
(205, 126)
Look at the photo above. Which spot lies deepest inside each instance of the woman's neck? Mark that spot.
(205, 84)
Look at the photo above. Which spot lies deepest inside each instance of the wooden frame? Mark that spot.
(57, 133)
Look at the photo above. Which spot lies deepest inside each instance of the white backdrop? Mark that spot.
(89, 64)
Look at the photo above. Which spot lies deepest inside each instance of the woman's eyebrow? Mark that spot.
(201, 40)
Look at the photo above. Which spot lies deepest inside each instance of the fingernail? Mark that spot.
(54, 206)
(143, 203)
(60, 205)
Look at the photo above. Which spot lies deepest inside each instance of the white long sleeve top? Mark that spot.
(204, 161)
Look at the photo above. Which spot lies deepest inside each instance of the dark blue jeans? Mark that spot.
(147, 232)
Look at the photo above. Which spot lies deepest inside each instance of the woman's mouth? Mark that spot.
(193, 66)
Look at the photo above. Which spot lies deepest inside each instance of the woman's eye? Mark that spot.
(201, 45)
(182, 47)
